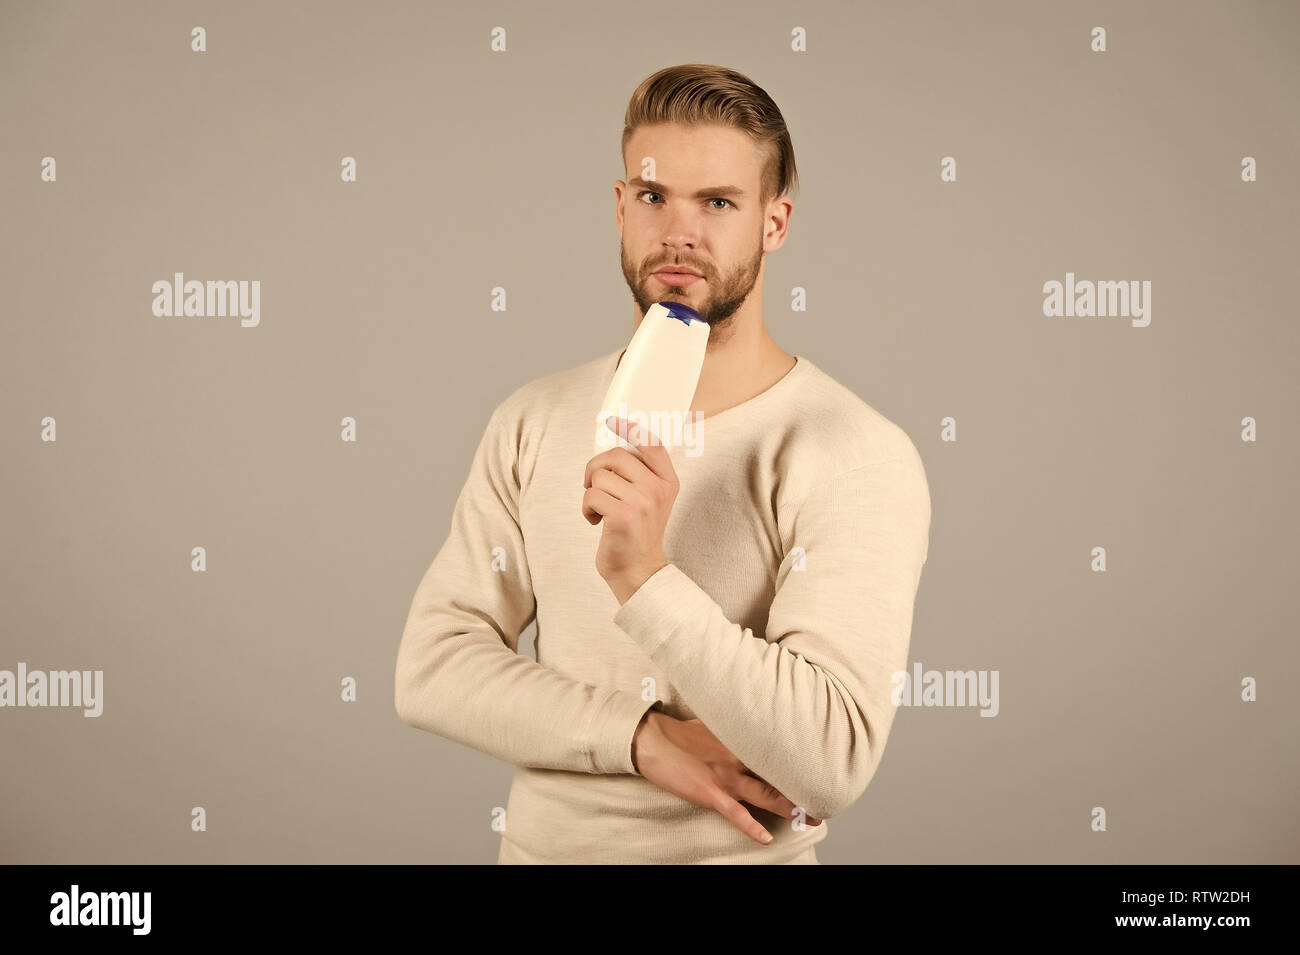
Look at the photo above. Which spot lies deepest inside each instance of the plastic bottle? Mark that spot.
(655, 381)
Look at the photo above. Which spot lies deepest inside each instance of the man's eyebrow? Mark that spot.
(701, 194)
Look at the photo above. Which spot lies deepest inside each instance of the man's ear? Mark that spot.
(619, 189)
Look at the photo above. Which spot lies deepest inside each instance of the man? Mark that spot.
(716, 639)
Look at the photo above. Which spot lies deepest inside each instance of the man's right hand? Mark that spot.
(686, 759)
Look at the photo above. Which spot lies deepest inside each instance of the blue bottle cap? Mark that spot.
(683, 313)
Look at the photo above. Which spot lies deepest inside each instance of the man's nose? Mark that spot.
(682, 228)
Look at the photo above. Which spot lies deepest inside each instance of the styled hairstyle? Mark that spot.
(697, 94)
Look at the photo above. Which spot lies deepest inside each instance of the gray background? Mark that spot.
(481, 169)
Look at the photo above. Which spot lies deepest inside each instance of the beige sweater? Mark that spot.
(795, 549)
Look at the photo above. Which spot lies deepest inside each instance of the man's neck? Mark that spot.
(737, 371)
(740, 362)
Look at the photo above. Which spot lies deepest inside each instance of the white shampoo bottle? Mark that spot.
(655, 381)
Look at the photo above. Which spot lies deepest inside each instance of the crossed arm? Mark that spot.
(806, 706)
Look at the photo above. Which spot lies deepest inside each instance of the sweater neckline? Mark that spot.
(739, 412)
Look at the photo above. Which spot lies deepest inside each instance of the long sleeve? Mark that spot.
(806, 706)
(459, 673)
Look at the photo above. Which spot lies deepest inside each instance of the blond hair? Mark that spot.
(696, 94)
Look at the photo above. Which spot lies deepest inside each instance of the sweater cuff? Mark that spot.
(612, 731)
(668, 603)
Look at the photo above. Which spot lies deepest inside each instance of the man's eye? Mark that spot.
(648, 192)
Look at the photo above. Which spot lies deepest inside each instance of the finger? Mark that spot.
(625, 492)
(787, 807)
(739, 816)
(596, 504)
(619, 460)
(647, 444)
(758, 793)
(614, 483)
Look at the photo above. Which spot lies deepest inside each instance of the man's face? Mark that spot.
(685, 217)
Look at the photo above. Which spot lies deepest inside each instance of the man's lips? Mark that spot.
(670, 276)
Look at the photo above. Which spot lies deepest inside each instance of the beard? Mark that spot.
(727, 292)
